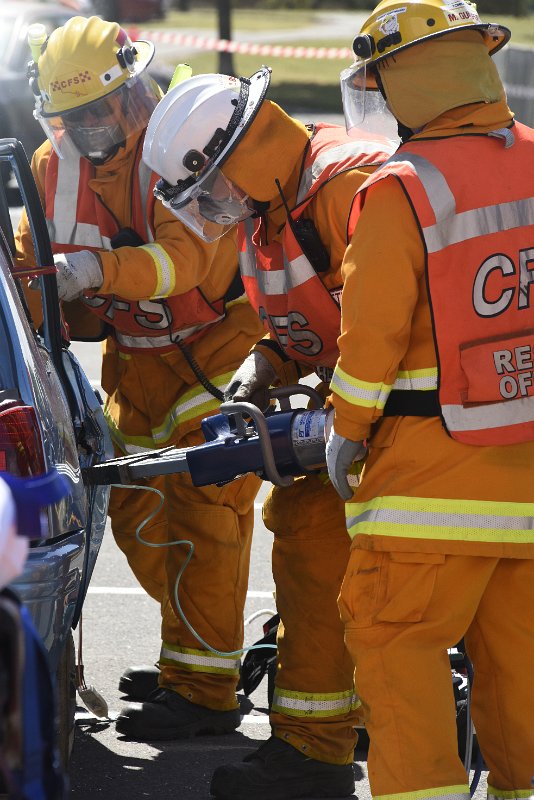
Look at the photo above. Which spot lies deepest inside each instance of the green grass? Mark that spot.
(297, 83)
(522, 28)
(242, 19)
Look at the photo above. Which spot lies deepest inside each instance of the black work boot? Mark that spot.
(138, 682)
(277, 771)
(167, 715)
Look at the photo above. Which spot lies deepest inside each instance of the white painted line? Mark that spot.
(86, 716)
(138, 590)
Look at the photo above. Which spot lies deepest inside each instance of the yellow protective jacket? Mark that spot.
(421, 490)
(174, 399)
(329, 210)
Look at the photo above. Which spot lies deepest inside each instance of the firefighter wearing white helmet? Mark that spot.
(227, 155)
(175, 326)
(190, 136)
(443, 521)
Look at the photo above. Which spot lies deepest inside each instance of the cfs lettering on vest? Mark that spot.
(492, 296)
(498, 374)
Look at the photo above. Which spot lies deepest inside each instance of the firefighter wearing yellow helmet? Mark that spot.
(435, 378)
(175, 326)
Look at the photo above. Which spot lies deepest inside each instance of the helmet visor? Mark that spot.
(364, 107)
(213, 206)
(95, 129)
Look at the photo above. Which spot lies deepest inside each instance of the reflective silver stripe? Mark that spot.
(479, 222)
(196, 659)
(375, 397)
(64, 228)
(247, 258)
(155, 342)
(144, 175)
(83, 234)
(164, 269)
(187, 409)
(313, 704)
(433, 519)
(277, 282)
(334, 155)
(436, 187)
(422, 384)
(451, 228)
(496, 415)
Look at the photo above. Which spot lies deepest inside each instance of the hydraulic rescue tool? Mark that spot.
(277, 445)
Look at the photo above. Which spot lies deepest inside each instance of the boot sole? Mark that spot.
(204, 728)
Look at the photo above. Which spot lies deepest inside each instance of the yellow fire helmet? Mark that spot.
(395, 25)
(91, 85)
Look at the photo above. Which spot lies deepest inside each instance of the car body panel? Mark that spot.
(39, 369)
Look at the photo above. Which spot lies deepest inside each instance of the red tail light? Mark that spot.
(21, 449)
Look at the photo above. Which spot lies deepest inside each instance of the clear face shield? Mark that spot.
(96, 129)
(210, 208)
(364, 107)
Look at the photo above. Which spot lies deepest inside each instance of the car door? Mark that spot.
(72, 430)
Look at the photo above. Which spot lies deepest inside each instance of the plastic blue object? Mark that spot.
(31, 495)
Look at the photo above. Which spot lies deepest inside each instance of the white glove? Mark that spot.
(340, 455)
(250, 383)
(76, 273)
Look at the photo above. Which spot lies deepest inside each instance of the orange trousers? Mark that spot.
(212, 590)
(401, 612)
(310, 553)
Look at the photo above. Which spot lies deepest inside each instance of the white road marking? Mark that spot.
(138, 590)
(86, 716)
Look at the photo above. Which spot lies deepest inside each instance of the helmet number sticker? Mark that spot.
(458, 11)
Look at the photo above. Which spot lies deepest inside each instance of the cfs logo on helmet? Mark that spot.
(70, 83)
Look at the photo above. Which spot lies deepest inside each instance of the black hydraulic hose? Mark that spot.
(201, 377)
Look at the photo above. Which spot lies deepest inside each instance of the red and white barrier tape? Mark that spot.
(225, 45)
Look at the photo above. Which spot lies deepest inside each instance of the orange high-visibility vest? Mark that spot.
(474, 201)
(280, 281)
(76, 220)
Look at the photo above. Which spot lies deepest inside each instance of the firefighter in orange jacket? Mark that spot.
(238, 157)
(435, 379)
(177, 327)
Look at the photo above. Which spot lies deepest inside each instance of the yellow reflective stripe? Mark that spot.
(314, 704)
(128, 444)
(511, 794)
(165, 273)
(459, 792)
(125, 356)
(196, 402)
(357, 392)
(442, 519)
(198, 660)
(422, 380)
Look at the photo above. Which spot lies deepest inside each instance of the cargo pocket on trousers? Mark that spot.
(362, 588)
(409, 584)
